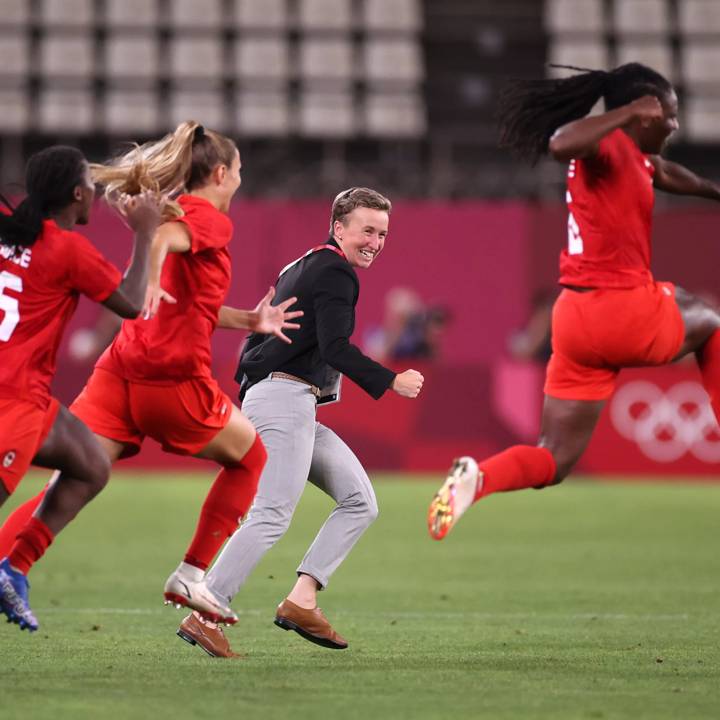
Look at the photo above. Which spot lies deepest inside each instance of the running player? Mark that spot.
(611, 313)
(44, 267)
(155, 378)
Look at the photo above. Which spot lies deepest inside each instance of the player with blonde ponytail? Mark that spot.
(155, 378)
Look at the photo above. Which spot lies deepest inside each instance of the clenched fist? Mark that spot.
(408, 384)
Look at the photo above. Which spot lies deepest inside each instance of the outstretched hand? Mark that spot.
(153, 297)
(273, 319)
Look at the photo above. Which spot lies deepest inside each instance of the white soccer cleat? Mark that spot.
(185, 588)
(454, 497)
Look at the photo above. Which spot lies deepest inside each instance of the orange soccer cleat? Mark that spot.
(455, 496)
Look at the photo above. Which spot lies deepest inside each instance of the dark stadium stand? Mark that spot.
(395, 93)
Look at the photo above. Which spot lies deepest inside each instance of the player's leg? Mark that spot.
(17, 520)
(240, 452)
(283, 412)
(199, 423)
(567, 426)
(19, 517)
(84, 469)
(83, 460)
(103, 407)
(702, 336)
(23, 427)
(579, 379)
(196, 418)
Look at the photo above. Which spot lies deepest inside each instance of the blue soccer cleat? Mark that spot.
(14, 588)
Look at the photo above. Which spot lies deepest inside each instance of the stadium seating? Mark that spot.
(206, 106)
(641, 17)
(15, 13)
(131, 56)
(131, 111)
(15, 117)
(194, 15)
(263, 112)
(377, 71)
(324, 15)
(327, 114)
(263, 59)
(66, 13)
(124, 14)
(680, 40)
(268, 15)
(66, 110)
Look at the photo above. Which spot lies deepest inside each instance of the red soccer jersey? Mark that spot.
(610, 200)
(39, 291)
(175, 344)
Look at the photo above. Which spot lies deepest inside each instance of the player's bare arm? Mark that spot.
(581, 138)
(265, 319)
(170, 237)
(142, 213)
(674, 178)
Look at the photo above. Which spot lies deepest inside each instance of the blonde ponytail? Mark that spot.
(166, 166)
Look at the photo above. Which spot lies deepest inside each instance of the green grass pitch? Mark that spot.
(591, 600)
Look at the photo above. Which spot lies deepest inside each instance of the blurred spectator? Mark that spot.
(409, 329)
(533, 341)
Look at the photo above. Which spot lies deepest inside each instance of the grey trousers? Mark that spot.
(299, 449)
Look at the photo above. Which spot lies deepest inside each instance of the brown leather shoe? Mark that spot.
(311, 624)
(208, 637)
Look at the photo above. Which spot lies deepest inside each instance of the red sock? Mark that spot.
(32, 542)
(709, 362)
(227, 502)
(16, 521)
(517, 468)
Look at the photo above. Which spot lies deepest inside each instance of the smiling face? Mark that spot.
(653, 138)
(361, 235)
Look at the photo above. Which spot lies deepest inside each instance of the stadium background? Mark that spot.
(397, 95)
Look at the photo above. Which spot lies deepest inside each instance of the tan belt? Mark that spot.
(314, 389)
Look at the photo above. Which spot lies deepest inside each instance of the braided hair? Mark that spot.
(530, 111)
(51, 176)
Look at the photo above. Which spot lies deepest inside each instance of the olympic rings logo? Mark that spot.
(667, 425)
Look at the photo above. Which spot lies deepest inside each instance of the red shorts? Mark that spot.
(183, 417)
(23, 429)
(597, 333)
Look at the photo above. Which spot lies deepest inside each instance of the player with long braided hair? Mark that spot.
(611, 312)
(44, 267)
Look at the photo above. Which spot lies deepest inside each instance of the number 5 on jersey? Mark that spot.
(8, 304)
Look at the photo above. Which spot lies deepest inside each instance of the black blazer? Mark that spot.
(327, 290)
